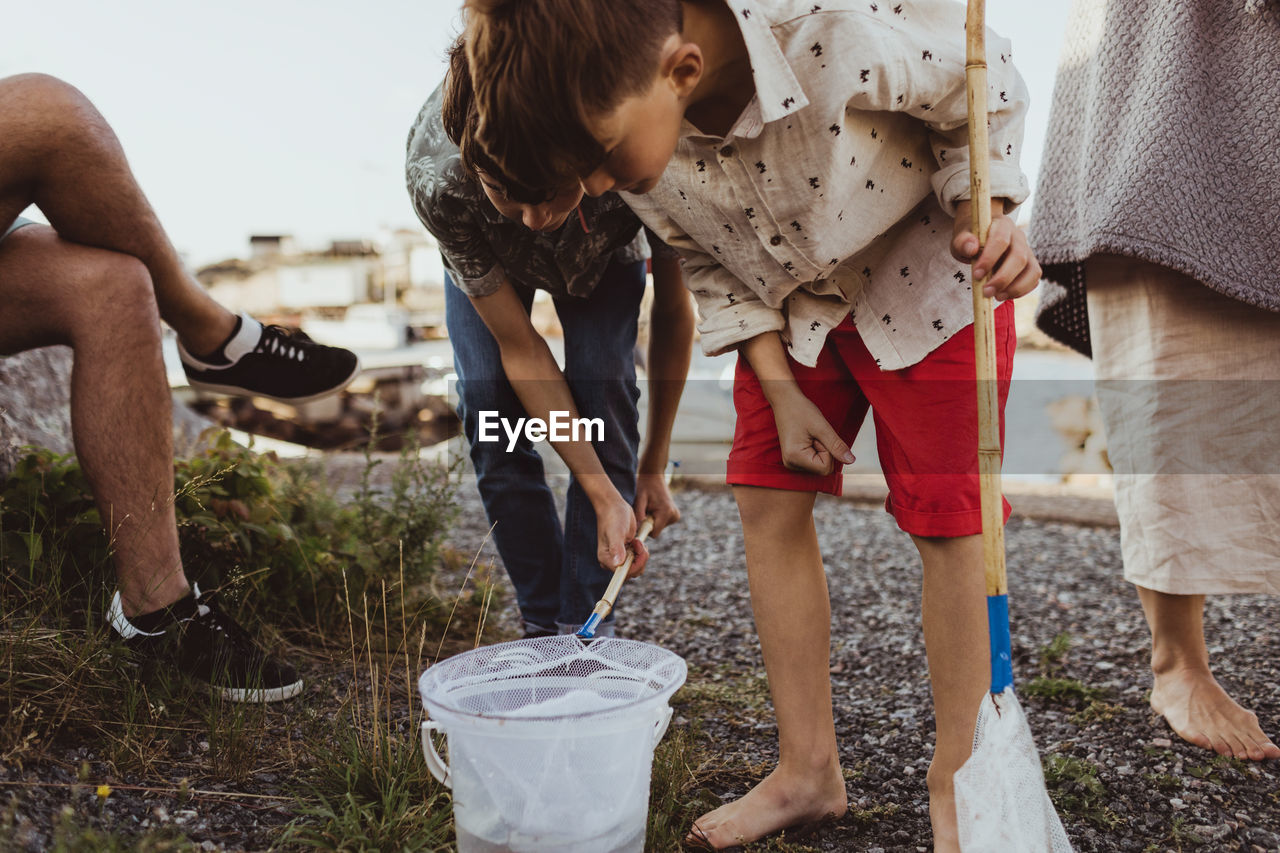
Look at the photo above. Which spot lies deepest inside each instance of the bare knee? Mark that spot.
(55, 115)
(45, 94)
(115, 296)
(773, 509)
(948, 548)
(124, 283)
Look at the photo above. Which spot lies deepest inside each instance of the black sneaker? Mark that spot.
(271, 361)
(204, 642)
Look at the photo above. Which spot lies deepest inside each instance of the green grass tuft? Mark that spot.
(1076, 790)
(1061, 690)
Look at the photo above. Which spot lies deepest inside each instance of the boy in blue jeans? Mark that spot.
(500, 243)
(810, 162)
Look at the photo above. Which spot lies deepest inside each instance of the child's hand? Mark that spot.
(808, 442)
(1007, 257)
(616, 529)
(654, 498)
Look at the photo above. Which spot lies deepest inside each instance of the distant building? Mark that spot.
(400, 266)
(351, 248)
(265, 246)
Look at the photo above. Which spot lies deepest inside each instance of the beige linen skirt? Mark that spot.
(1188, 384)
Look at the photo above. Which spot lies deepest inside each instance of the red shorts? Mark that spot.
(926, 419)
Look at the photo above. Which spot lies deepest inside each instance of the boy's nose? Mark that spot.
(597, 183)
(535, 218)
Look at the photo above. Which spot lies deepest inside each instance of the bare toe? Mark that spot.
(1200, 712)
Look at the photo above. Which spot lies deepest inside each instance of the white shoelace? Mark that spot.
(275, 347)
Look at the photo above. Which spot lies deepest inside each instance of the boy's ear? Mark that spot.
(682, 67)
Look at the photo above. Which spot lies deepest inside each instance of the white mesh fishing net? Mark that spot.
(1001, 801)
(528, 678)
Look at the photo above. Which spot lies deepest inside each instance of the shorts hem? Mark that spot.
(768, 476)
(949, 525)
(1264, 584)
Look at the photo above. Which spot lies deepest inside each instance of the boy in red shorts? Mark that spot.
(810, 162)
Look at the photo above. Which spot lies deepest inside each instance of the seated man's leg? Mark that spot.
(101, 304)
(600, 340)
(59, 153)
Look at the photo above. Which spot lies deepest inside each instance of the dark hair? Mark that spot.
(460, 118)
(542, 68)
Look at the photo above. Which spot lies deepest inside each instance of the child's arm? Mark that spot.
(915, 64)
(670, 348)
(809, 443)
(536, 378)
(1007, 256)
(734, 317)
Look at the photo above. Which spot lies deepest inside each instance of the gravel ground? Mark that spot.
(1150, 790)
(1126, 783)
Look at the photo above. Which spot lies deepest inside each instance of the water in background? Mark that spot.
(1034, 449)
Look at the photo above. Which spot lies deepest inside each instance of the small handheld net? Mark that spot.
(1015, 815)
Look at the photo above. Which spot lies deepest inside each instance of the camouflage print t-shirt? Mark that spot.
(482, 248)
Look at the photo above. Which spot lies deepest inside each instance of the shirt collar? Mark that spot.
(778, 93)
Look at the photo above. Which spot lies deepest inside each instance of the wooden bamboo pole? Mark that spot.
(983, 310)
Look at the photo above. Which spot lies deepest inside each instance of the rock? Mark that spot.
(1264, 838)
(34, 403)
(1205, 834)
(35, 407)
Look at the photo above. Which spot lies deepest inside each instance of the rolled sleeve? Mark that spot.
(729, 312)
(922, 73)
(636, 250)
(485, 285)
(1007, 101)
(951, 185)
(467, 254)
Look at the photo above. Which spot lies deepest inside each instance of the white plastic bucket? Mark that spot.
(550, 742)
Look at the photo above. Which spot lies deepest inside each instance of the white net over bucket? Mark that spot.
(551, 741)
(1001, 801)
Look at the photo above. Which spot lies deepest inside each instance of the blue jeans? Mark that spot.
(553, 568)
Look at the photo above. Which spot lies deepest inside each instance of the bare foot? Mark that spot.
(780, 801)
(1197, 708)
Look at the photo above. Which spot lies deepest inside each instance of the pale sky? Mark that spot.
(290, 116)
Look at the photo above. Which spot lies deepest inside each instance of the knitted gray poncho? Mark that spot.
(1163, 145)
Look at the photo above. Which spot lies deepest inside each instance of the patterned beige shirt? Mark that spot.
(835, 189)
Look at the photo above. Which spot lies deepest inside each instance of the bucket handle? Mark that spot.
(435, 763)
(660, 726)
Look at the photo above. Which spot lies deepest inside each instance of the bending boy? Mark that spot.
(99, 279)
(502, 242)
(810, 163)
